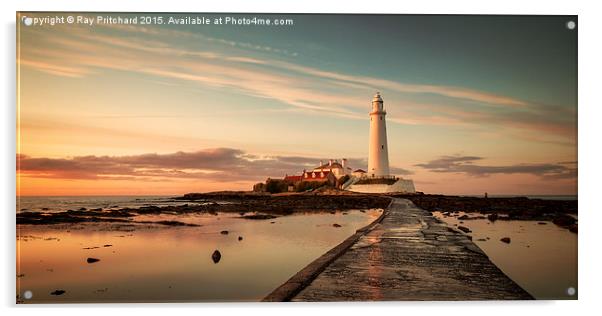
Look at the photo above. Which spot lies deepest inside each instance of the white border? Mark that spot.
(589, 151)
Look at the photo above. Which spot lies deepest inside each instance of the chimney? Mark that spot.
(330, 163)
(321, 163)
(344, 163)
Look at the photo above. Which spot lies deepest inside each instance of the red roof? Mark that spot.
(292, 178)
(315, 175)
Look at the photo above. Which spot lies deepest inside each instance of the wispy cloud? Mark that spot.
(163, 54)
(467, 165)
(378, 83)
(216, 164)
(172, 33)
(54, 69)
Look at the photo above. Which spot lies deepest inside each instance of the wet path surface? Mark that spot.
(411, 255)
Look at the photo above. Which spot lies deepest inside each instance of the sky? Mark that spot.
(474, 104)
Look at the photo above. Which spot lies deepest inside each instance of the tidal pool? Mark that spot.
(541, 257)
(155, 263)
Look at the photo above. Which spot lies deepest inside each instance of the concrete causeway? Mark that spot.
(408, 255)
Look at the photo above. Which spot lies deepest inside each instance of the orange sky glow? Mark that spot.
(130, 110)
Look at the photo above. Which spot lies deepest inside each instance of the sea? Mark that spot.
(65, 203)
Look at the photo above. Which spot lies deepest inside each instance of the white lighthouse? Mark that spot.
(378, 179)
(378, 152)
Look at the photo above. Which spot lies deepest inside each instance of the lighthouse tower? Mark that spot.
(378, 179)
(378, 153)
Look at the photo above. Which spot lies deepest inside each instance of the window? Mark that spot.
(382, 146)
(381, 118)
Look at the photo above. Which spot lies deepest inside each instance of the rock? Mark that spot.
(216, 256)
(573, 228)
(336, 225)
(82, 208)
(259, 216)
(464, 229)
(505, 239)
(239, 238)
(463, 217)
(564, 220)
(108, 245)
(542, 223)
(469, 237)
(224, 232)
(58, 292)
(272, 222)
(92, 260)
(492, 217)
(170, 223)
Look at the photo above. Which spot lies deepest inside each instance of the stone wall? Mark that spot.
(401, 185)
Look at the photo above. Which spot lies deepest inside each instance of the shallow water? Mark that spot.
(157, 263)
(64, 203)
(542, 259)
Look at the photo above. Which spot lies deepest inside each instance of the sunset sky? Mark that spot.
(474, 104)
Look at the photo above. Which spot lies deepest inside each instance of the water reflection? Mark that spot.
(156, 263)
(541, 257)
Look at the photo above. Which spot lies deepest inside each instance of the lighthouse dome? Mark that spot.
(377, 98)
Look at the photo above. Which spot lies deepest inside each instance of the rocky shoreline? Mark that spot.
(252, 205)
(560, 212)
(248, 205)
